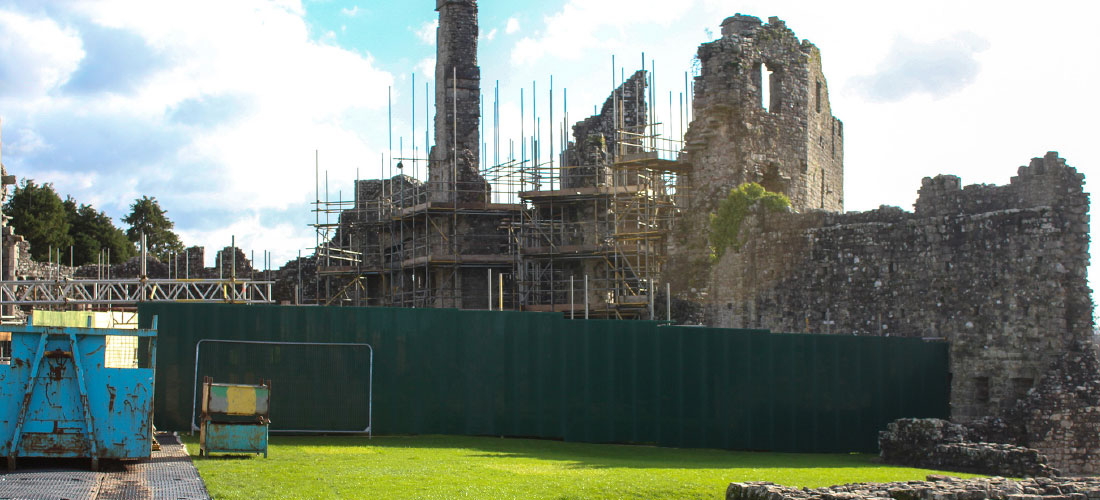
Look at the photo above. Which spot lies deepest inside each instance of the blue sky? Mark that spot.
(216, 108)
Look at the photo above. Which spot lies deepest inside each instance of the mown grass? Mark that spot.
(448, 467)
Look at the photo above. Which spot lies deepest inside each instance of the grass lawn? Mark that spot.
(481, 467)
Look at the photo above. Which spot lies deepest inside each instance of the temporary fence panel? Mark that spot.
(540, 375)
(331, 382)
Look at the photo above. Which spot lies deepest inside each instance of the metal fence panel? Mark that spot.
(541, 375)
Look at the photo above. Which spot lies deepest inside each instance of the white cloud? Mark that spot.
(352, 12)
(938, 68)
(261, 97)
(426, 33)
(512, 26)
(253, 236)
(582, 26)
(26, 141)
(491, 35)
(426, 67)
(36, 55)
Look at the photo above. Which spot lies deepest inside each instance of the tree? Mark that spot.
(38, 214)
(146, 217)
(93, 231)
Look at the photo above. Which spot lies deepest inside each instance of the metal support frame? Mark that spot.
(133, 291)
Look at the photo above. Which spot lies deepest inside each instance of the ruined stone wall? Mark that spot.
(999, 271)
(931, 443)
(823, 175)
(791, 144)
(191, 263)
(29, 269)
(286, 291)
(936, 487)
(16, 250)
(232, 261)
(595, 141)
(367, 229)
(1061, 415)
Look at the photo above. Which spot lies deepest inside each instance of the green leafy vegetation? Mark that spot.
(447, 467)
(725, 223)
(38, 214)
(146, 217)
(93, 231)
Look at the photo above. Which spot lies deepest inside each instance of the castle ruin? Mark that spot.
(617, 220)
(622, 214)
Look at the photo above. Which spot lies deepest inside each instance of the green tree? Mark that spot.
(93, 231)
(725, 224)
(38, 214)
(146, 217)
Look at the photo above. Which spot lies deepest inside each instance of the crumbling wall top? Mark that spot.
(1045, 182)
(630, 112)
(439, 4)
(738, 24)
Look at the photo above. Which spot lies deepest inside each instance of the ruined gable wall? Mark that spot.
(595, 143)
(999, 271)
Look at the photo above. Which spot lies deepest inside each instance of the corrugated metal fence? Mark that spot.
(540, 375)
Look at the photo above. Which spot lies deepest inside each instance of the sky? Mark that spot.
(222, 110)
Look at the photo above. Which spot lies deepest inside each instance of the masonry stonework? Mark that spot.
(791, 144)
(998, 271)
(595, 139)
(1061, 415)
(454, 157)
(935, 487)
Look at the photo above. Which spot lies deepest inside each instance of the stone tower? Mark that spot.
(454, 158)
(790, 144)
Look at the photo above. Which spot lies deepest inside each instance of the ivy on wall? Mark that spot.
(725, 223)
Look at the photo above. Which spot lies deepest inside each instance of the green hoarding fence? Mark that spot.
(444, 371)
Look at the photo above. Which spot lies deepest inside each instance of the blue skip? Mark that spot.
(58, 397)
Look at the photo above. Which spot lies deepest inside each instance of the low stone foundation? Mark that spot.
(935, 488)
(938, 444)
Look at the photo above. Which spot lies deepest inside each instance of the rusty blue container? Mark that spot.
(59, 398)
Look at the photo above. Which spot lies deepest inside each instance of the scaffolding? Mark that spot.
(348, 252)
(597, 240)
(449, 253)
(525, 233)
(397, 245)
